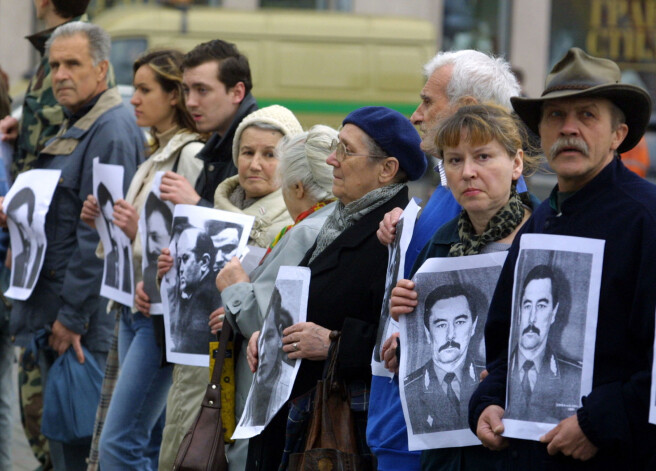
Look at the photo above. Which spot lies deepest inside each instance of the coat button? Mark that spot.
(237, 303)
(61, 180)
(210, 168)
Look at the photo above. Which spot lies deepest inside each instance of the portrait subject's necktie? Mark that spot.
(450, 393)
(526, 382)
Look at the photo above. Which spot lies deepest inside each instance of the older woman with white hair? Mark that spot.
(254, 191)
(306, 181)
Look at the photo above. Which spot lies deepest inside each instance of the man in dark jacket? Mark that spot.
(217, 83)
(66, 295)
(585, 117)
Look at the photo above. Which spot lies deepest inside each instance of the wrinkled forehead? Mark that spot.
(576, 103)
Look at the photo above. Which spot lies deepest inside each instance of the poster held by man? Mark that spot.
(155, 226)
(117, 283)
(553, 332)
(442, 352)
(26, 205)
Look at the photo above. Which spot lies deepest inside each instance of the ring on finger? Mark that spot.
(295, 346)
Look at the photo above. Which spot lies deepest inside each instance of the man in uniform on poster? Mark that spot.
(437, 394)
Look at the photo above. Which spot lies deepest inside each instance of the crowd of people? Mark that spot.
(329, 200)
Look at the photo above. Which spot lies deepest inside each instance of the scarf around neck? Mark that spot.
(502, 224)
(344, 216)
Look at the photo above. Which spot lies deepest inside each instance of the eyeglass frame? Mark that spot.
(337, 147)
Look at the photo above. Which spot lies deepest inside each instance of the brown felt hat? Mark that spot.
(579, 75)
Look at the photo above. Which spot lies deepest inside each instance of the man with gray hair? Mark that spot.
(97, 124)
(454, 78)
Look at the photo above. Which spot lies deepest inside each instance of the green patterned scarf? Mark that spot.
(501, 225)
(344, 216)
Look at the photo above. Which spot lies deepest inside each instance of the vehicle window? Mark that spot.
(124, 52)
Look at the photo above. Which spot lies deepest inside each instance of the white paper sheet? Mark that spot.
(26, 205)
(457, 292)
(274, 379)
(118, 272)
(154, 237)
(554, 324)
(189, 293)
(395, 265)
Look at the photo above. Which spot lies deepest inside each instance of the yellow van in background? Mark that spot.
(321, 65)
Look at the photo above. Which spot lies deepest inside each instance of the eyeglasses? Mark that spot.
(341, 153)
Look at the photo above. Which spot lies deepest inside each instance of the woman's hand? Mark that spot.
(231, 274)
(306, 340)
(164, 263)
(90, 211)
(403, 299)
(216, 320)
(251, 351)
(141, 300)
(386, 232)
(126, 218)
(388, 353)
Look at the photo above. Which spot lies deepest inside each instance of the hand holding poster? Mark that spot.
(395, 263)
(442, 350)
(117, 281)
(275, 375)
(202, 240)
(553, 333)
(26, 205)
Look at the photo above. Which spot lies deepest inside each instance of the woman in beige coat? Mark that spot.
(132, 425)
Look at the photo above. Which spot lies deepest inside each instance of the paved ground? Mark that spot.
(22, 457)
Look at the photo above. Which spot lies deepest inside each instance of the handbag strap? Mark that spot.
(226, 332)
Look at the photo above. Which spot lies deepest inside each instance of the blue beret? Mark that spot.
(395, 134)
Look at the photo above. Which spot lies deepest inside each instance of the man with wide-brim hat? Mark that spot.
(585, 117)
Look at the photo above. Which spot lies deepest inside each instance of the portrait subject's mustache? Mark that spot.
(531, 328)
(450, 344)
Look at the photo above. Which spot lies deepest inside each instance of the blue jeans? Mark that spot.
(132, 432)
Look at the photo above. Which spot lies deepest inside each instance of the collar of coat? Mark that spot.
(67, 139)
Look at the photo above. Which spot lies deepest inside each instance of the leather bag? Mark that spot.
(331, 443)
(203, 447)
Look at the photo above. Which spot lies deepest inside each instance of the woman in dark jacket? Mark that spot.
(481, 147)
(377, 151)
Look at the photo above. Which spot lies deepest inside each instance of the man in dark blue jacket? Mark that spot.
(585, 118)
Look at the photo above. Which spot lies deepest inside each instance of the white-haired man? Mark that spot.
(452, 78)
(66, 294)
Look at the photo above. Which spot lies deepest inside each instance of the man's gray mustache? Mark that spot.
(569, 143)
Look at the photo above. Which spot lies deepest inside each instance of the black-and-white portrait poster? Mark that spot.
(395, 263)
(553, 331)
(273, 381)
(442, 349)
(202, 240)
(26, 206)
(117, 283)
(155, 225)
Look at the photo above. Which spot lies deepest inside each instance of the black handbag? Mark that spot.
(203, 447)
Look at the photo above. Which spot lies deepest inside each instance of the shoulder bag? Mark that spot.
(331, 442)
(203, 447)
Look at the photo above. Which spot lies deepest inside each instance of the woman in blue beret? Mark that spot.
(376, 153)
